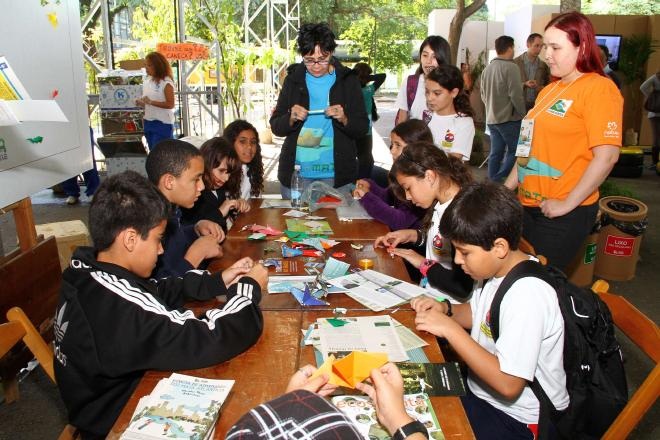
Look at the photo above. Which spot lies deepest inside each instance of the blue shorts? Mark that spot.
(156, 131)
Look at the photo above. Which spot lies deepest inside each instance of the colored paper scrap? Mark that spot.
(257, 236)
(334, 268)
(54, 93)
(294, 213)
(306, 298)
(315, 227)
(335, 322)
(268, 230)
(357, 246)
(295, 235)
(282, 239)
(36, 139)
(52, 19)
(314, 242)
(288, 252)
(328, 199)
(352, 369)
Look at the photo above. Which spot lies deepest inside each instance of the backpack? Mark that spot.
(595, 379)
(652, 103)
(411, 89)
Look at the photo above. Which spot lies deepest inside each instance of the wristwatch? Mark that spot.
(410, 429)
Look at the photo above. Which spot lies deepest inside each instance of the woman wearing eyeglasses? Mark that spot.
(321, 112)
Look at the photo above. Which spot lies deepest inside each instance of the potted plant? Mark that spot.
(635, 53)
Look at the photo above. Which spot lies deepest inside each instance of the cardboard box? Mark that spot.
(131, 64)
(68, 235)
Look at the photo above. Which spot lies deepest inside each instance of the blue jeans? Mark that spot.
(503, 141)
(156, 131)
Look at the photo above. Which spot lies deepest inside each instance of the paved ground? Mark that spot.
(40, 414)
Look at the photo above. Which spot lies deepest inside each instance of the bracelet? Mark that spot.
(449, 311)
(425, 266)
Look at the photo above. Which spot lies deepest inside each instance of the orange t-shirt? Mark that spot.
(569, 120)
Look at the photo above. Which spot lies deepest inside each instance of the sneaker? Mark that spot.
(71, 200)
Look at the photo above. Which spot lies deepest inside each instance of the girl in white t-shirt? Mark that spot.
(449, 115)
(157, 100)
(433, 52)
(429, 179)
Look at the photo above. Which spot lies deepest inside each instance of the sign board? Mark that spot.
(183, 51)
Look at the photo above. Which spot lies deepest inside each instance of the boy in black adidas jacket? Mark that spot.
(113, 324)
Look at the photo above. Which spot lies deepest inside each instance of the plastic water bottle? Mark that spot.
(296, 187)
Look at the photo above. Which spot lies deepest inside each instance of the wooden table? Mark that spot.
(262, 373)
(354, 230)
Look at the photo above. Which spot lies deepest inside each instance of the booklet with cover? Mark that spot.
(443, 379)
(181, 406)
(360, 410)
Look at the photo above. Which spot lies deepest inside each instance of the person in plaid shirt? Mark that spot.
(303, 413)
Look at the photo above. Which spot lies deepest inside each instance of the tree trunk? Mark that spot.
(456, 26)
(570, 5)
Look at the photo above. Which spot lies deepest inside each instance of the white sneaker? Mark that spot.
(71, 200)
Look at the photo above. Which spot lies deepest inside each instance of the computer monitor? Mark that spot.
(613, 43)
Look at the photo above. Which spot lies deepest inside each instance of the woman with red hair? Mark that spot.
(575, 142)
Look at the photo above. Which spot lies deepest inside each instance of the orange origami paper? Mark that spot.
(352, 369)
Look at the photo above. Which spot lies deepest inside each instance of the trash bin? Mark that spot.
(581, 270)
(623, 221)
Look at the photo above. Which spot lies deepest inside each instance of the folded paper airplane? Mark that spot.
(352, 369)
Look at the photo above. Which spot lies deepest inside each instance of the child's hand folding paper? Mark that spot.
(352, 369)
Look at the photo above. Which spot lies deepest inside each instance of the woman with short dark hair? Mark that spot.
(321, 112)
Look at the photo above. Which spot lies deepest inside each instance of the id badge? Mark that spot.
(524, 146)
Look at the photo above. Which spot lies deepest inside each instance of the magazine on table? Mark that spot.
(180, 406)
(377, 290)
(360, 410)
(376, 334)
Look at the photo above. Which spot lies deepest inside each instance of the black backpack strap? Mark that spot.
(521, 270)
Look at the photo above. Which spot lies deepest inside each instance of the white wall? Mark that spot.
(476, 36)
(524, 21)
(45, 57)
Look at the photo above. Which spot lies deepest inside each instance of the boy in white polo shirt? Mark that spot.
(484, 223)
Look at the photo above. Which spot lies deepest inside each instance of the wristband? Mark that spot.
(449, 311)
(425, 266)
(410, 429)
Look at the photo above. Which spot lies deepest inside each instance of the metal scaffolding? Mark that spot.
(268, 25)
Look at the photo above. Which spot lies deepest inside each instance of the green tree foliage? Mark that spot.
(380, 31)
(621, 7)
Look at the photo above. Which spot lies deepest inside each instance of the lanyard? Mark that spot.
(536, 113)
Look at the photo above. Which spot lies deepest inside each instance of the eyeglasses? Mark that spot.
(311, 62)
